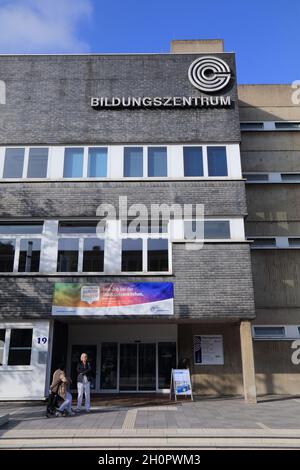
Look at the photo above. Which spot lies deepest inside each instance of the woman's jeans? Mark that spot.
(83, 388)
(67, 404)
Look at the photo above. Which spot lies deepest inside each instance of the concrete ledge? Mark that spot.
(4, 419)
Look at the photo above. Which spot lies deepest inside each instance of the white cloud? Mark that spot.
(43, 26)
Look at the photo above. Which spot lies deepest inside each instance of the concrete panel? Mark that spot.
(276, 277)
(271, 140)
(273, 202)
(270, 161)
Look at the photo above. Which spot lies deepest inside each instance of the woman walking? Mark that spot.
(84, 378)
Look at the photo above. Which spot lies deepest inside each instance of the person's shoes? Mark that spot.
(71, 413)
(77, 410)
(59, 414)
(88, 411)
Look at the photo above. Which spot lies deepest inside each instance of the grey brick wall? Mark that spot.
(48, 100)
(214, 282)
(81, 199)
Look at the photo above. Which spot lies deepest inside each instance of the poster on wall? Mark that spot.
(132, 298)
(208, 350)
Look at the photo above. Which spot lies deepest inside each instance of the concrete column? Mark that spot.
(248, 362)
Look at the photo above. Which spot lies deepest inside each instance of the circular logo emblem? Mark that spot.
(209, 74)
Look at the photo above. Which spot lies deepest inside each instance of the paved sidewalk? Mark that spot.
(204, 423)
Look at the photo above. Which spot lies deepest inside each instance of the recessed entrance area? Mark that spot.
(125, 358)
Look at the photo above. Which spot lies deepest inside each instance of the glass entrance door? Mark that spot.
(137, 367)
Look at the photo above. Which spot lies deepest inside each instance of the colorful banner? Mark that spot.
(132, 298)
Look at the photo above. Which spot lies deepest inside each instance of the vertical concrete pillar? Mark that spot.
(248, 362)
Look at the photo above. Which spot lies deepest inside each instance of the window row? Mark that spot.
(276, 332)
(117, 162)
(270, 126)
(275, 242)
(274, 177)
(19, 344)
(83, 246)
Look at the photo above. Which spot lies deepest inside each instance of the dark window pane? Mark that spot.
(216, 229)
(264, 242)
(193, 161)
(147, 366)
(37, 163)
(217, 161)
(20, 347)
(109, 366)
(269, 331)
(13, 164)
(144, 226)
(290, 177)
(158, 259)
(287, 125)
(29, 260)
(77, 227)
(97, 165)
(249, 126)
(7, 254)
(132, 255)
(73, 163)
(93, 255)
(21, 228)
(67, 260)
(256, 177)
(20, 338)
(157, 161)
(166, 362)
(19, 357)
(133, 161)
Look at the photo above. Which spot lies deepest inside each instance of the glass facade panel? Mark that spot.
(37, 163)
(193, 161)
(13, 163)
(73, 163)
(217, 161)
(133, 161)
(157, 161)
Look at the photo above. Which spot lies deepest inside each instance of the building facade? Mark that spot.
(91, 144)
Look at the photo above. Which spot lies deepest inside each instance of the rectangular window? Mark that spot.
(73, 163)
(67, 260)
(256, 177)
(158, 256)
(251, 126)
(193, 161)
(144, 226)
(109, 366)
(287, 125)
(216, 229)
(217, 161)
(20, 347)
(37, 163)
(13, 163)
(132, 255)
(269, 331)
(97, 163)
(7, 255)
(157, 161)
(294, 242)
(290, 177)
(264, 243)
(29, 260)
(93, 255)
(2, 343)
(78, 227)
(16, 229)
(133, 161)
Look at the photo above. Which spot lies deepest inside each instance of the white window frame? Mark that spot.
(115, 162)
(25, 162)
(8, 329)
(236, 228)
(145, 237)
(80, 237)
(17, 239)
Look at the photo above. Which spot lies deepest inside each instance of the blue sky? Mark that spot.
(263, 34)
